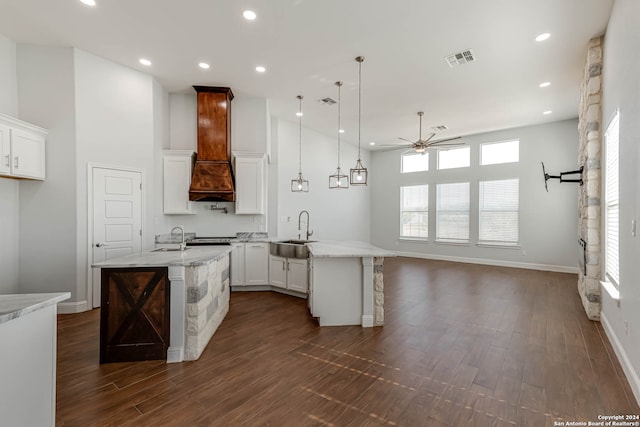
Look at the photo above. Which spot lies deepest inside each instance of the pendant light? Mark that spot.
(338, 179)
(358, 175)
(299, 184)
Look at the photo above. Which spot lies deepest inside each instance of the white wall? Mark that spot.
(548, 221)
(47, 208)
(335, 214)
(114, 127)
(621, 90)
(9, 210)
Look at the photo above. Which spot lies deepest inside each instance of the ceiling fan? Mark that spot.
(421, 145)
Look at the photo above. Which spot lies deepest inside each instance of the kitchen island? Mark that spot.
(162, 304)
(346, 283)
(28, 358)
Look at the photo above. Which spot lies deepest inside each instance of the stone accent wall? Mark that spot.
(207, 288)
(589, 156)
(378, 291)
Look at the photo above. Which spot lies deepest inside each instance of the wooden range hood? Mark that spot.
(212, 179)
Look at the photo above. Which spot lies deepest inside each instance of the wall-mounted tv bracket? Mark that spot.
(562, 175)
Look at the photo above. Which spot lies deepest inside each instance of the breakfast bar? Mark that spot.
(346, 283)
(162, 304)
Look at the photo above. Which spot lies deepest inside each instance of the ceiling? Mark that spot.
(307, 45)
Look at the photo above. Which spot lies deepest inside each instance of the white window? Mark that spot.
(415, 162)
(452, 212)
(494, 153)
(612, 223)
(454, 158)
(414, 211)
(498, 213)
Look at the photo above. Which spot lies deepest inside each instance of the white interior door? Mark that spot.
(117, 217)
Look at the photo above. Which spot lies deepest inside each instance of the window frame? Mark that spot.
(612, 203)
(483, 144)
(417, 211)
(452, 240)
(498, 243)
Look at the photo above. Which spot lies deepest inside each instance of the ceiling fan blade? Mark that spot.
(396, 146)
(453, 144)
(405, 139)
(445, 140)
(428, 138)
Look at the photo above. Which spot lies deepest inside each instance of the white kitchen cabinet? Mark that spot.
(177, 167)
(251, 189)
(278, 271)
(22, 149)
(256, 263)
(237, 266)
(288, 273)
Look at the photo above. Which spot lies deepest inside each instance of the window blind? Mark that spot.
(498, 212)
(414, 211)
(612, 215)
(452, 212)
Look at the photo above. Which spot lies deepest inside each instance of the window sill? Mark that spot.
(413, 240)
(613, 292)
(452, 243)
(497, 246)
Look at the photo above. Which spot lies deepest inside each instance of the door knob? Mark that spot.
(99, 245)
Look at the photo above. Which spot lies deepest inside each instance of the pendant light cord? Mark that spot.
(300, 134)
(359, 59)
(339, 84)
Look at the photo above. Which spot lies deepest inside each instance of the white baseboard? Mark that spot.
(73, 307)
(367, 321)
(498, 263)
(627, 367)
(175, 354)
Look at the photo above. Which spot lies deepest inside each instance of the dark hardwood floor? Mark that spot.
(462, 345)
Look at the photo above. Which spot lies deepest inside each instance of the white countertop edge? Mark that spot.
(193, 256)
(346, 249)
(17, 305)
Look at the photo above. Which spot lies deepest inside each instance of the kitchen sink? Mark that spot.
(290, 248)
(169, 250)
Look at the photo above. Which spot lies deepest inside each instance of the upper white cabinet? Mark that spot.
(22, 149)
(177, 165)
(251, 188)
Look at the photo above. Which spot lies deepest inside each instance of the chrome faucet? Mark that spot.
(183, 245)
(309, 233)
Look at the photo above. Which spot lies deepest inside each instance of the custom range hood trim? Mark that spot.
(212, 179)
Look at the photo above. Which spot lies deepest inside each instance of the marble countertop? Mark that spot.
(193, 256)
(346, 249)
(18, 305)
(240, 237)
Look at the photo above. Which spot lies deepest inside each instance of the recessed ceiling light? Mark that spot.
(542, 37)
(249, 15)
(546, 113)
(372, 143)
(299, 114)
(145, 62)
(340, 130)
(89, 2)
(545, 84)
(204, 65)
(260, 69)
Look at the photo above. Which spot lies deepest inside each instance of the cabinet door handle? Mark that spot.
(16, 162)
(7, 161)
(282, 265)
(100, 245)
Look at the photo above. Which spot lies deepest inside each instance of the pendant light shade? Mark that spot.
(358, 174)
(299, 184)
(338, 180)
